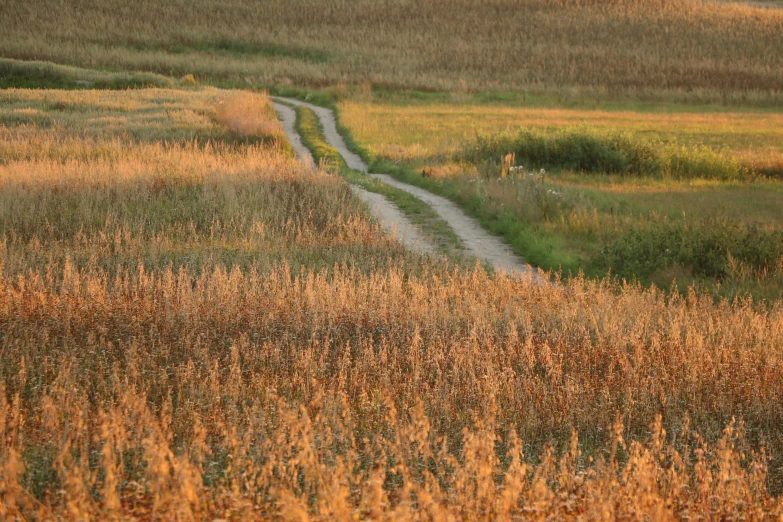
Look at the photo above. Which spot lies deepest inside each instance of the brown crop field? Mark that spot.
(198, 327)
(691, 50)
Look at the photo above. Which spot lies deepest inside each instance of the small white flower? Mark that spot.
(542, 172)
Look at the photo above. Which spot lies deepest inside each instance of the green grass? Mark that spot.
(46, 75)
(309, 128)
(539, 249)
(408, 131)
(670, 213)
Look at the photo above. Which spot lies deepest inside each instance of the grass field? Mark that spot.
(414, 131)
(717, 219)
(695, 51)
(193, 325)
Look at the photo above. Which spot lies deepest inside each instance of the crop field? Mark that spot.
(193, 325)
(695, 51)
(196, 325)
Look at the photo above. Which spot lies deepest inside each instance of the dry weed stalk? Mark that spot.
(269, 393)
(205, 330)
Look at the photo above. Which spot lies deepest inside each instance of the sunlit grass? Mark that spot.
(195, 326)
(423, 142)
(415, 132)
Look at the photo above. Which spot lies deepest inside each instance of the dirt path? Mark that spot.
(475, 240)
(288, 119)
(393, 221)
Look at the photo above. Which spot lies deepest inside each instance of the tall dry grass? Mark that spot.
(195, 330)
(690, 50)
(258, 395)
(246, 114)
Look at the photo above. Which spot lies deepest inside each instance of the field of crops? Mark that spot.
(692, 50)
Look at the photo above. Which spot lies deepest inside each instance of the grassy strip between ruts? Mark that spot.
(309, 128)
(537, 249)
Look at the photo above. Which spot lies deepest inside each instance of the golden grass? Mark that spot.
(94, 184)
(169, 394)
(421, 131)
(690, 50)
(246, 115)
(204, 329)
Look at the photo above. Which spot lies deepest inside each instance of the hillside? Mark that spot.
(690, 50)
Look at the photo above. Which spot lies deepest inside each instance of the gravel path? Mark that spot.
(473, 237)
(391, 218)
(475, 240)
(288, 119)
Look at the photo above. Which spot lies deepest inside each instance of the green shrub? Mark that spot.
(706, 249)
(585, 150)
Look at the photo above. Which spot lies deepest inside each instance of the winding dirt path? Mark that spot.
(475, 240)
(287, 117)
(391, 218)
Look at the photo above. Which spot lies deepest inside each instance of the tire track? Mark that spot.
(475, 240)
(393, 221)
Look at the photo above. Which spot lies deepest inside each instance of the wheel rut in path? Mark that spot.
(475, 240)
(391, 218)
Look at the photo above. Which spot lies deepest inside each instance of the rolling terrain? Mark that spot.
(221, 304)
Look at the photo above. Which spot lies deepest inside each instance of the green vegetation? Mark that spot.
(46, 75)
(622, 197)
(401, 129)
(585, 150)
(696, 51)
(309, 128)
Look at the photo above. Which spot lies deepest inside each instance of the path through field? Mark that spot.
(475, 240)
(390, 217)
